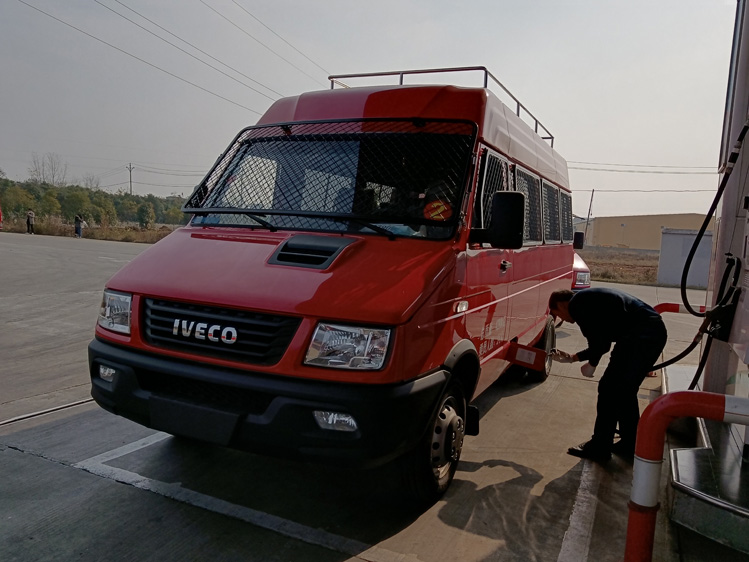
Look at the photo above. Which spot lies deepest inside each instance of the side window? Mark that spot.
(495, 178)
(565, 214)
(530, 185)
(551, 213)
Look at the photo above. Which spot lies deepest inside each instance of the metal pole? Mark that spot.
(651, 435)
(130, 169)
(587, 221)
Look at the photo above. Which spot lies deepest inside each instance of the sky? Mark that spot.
(634, 89)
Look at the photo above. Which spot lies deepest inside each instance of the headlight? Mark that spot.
(114, 313)
(348, 347)
(582, 278)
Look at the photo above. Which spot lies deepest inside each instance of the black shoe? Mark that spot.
(590, 451)
(623, 449)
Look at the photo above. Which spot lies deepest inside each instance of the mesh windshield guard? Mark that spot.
(392, 177)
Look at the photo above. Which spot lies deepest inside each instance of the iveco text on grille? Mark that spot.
(203, 331)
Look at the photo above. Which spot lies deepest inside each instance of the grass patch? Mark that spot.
(53, 226)
(621, 265)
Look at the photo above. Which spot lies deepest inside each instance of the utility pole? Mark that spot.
(130, 169)
(587, 221)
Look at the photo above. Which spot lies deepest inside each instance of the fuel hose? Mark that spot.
(725, 298)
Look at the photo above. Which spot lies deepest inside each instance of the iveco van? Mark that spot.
(359, 266)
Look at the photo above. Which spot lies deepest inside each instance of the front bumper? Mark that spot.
(264, 413)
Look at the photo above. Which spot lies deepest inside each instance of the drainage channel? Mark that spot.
(45, 412)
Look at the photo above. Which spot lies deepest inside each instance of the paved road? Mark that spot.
(50, 291)
(82, 484)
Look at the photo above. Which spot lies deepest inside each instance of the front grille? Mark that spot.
(205, 393)
(261, 339)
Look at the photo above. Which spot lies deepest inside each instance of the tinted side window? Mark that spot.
(495, 179)
(565, 213)
(551, 213)
(530, 185)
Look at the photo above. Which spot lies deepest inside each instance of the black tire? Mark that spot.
(429, 469)
(547, 342)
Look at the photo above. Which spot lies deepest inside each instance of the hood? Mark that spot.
(370, 280)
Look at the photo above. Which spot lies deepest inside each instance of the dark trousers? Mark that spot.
(29, 228)
(630, 362)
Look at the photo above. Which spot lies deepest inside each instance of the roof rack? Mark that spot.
(520, 109)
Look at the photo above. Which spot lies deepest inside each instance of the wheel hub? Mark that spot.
(447, 438)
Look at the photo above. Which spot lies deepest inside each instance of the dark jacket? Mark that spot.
(606, 316)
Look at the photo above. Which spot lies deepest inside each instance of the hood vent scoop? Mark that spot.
(303, 250)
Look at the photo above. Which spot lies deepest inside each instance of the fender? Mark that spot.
(463, 347)
(460, 351)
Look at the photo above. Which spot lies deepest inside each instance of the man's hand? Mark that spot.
(587, 370)
(562, 356)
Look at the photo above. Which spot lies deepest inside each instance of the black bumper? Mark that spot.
(265, 414)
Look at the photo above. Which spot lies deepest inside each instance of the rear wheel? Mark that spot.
(429, 469)
(547, 342)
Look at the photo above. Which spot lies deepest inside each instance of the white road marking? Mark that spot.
(124, 450)
(359, 550)
(576, 542)
(45, 412)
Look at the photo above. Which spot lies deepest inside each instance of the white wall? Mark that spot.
(675, 246)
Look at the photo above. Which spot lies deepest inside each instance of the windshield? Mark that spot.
(399, 178)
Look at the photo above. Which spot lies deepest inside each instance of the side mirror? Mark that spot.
(507, 222)
(578, 240)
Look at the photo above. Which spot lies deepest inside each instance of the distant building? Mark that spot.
(639, 232)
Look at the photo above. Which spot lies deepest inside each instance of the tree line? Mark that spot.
(48, 198)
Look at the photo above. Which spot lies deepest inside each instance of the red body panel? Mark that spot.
(374, 280)
(433, 102)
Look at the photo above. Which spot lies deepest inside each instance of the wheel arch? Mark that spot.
(464, 365)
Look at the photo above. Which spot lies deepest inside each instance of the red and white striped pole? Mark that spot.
(651, 435)
(677, 308)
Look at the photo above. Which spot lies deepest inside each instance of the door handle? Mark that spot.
(504, 265)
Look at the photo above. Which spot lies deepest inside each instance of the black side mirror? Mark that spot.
(578, 240)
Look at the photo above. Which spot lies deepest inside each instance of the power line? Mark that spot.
(172, 169)
(139, 59)
(182, 174)
(202, 51)
(642, 171)
(196, 170)
(258, 41)
(113, 185)
(126, 183)
(190, 185)
(642, 165)
(646, 190)
(181, 49)
(277, 35)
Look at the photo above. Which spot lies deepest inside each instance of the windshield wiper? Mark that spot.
(234, 211)
(278, 212)
(366, 224)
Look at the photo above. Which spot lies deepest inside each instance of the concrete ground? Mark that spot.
(81, 484)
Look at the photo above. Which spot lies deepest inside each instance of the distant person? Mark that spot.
(607, 316)
(30, 217)
(78, 226)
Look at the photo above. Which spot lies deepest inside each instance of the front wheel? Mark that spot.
(429, 469)
(547, 342)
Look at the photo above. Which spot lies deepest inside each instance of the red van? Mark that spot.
(359, 266)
